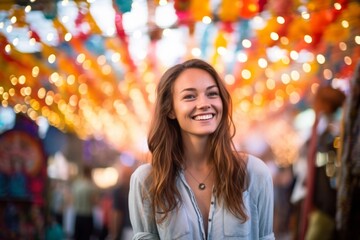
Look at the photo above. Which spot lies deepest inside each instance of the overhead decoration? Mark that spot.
(229, 11)
(124, 5)
(200, 9)
(84, 22)
(124, 41)
(18, 16)
(99, 70)
(182, 9)
(249, 9)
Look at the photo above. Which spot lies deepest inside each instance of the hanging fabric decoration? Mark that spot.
(243, 30)
(220, 42)
(82, 31)
(18, 16)
(229, 10)
(95, 44)
(280, 7)
(205, 38)
(124, 49)
(249, 9)
(125, 53)
(34, 34)
(50, 9)
(155, 33)
(9, 60)
(60, 28)
(123, 5)
(7, 5)
(119, 26)
(296, 32)
(85, 23)
(263, 35)
(94, 28)
(199, 9)
(66, 60)
(262, 4)
(335, 32)
(320, 20)
(182, 10)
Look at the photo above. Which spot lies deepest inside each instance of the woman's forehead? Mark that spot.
(194, 77)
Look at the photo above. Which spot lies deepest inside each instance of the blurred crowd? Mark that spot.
(81, 210)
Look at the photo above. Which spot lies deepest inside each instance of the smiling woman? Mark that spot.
(197, 185)
(197, 105)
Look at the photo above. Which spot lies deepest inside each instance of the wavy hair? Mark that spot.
(165, 144)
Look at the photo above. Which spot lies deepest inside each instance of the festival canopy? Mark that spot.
(91, 67)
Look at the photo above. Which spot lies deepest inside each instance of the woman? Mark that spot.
(197, 186)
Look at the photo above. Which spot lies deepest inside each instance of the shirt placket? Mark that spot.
(211, 215)
(197, 209)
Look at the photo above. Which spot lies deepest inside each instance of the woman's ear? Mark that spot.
(171, 115)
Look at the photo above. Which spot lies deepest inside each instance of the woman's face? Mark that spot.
(197, 105)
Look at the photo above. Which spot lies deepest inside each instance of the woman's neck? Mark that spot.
(196, 152)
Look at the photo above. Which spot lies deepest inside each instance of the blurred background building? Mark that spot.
(77, 88)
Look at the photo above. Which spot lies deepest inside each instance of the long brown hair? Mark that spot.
(165, 144)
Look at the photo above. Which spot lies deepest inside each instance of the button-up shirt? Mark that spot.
(186, 222)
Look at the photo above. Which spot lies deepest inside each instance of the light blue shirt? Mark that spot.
(187, 222)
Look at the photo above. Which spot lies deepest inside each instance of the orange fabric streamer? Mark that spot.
(199, 9)
(229, 10)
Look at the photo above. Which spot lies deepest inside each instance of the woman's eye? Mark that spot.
(213, 94)
(189, 97)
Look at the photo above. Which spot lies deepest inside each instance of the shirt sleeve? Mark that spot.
(142, 221)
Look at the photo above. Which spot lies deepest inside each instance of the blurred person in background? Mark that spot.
(84, 193)
(105, 207)
(120, 221)
(321, 196)
(59, 199)
(53, 230)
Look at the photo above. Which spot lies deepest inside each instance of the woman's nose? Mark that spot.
(204, 107)
(203, 104)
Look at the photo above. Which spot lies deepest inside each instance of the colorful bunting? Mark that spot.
(270, 54)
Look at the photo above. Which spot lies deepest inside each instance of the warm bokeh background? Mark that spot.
(85, 72)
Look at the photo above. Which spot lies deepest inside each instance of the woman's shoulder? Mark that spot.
(141, 172)
(257, 169)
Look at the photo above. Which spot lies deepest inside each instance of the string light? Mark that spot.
(320, 59)
(246, 74)
(262, 62)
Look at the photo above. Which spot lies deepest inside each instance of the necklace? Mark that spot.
(202, 185)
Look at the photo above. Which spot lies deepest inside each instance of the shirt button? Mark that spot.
(212, 203)
(209, 219)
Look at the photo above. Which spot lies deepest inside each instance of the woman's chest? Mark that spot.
(188, 222)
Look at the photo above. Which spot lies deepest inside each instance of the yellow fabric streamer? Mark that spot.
(220, 41)
(61, 29)
(93, 25)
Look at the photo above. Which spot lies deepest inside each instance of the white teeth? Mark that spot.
(203, 117)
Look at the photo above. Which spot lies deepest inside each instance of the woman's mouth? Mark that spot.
(203, 117)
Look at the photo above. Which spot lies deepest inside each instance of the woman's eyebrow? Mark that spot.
(194, 89)
(187, 89)
(212, 86)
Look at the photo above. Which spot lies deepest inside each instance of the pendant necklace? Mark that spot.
(202, 185)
